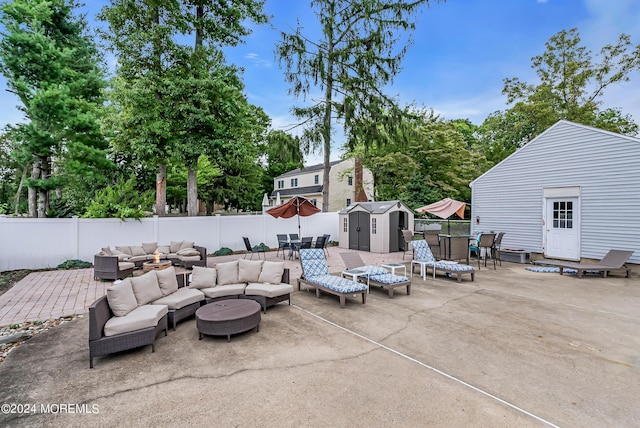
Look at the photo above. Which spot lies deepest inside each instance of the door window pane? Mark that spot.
(563, 215)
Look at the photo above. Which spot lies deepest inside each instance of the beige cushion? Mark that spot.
(174, 246)
(137, 250)
(102, 253)
(271, 272)
(181, 298)
(167, 280)
(141, 258)
(122, 250)
(188, 252)
(126, 265)
(121, 298)
(106, 250)
(203, 277)
(268, 290)
(163, 249)
(186, 244)
(120, 255)
(149, 248)
(146, 288)
(224, 290)
(249, 270)
(227, 273)
(189, 258)
(142, 317)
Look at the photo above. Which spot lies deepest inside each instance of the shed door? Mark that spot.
(359, 231)
(562, 228)
(397, 223)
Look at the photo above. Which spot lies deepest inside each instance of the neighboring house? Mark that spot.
(572, 192)
(349, 182)
(374, 226)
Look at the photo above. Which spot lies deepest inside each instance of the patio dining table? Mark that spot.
(458, 243)
(294, 247)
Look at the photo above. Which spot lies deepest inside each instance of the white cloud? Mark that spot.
(256, 60)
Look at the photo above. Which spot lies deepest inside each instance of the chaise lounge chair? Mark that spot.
(315, 273)
(378, 276)
(424, 258)
(613, 260)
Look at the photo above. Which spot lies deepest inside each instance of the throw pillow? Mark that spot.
(272, 272)
(137, 250)
(167, 280)
(227, 273)
(150, 248)
(146, 288)
(203, 277)
(124, 250)
(106, 250)
(174, 246)
(249, 270)
(121, 256)
(163, 249)
(121, 298)
(188, 252)
(187, 244)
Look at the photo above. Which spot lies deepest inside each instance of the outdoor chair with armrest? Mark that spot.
(497, 243)
(485, 242)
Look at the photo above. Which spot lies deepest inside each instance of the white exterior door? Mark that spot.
(562, 228)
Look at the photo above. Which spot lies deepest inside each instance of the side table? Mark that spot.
(355, 273)
(394, 266)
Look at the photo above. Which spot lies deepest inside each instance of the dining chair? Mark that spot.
(306, 241)
(433, 239)
(484, 245)
(497, 243)
(253, 250)
(283, 243)
(326, 243)
(293, 236)
(408, 238)
(320, 242)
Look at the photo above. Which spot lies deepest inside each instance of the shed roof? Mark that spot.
(374, 207)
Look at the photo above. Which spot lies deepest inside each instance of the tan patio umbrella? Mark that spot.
(444, 209)
(296, 206)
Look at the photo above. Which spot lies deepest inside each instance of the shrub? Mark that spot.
(74, 264)
(224, 251)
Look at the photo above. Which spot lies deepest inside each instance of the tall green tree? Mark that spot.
(282, 153)
(358, 53)
(571, 85)
(53, 67)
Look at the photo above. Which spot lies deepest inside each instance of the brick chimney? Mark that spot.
(360, 195)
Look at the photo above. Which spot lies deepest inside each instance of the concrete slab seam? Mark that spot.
(440, 372)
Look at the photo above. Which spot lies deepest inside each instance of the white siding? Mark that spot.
(606, 167)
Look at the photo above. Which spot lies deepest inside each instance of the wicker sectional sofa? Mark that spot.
(134, 311)
(120, 261)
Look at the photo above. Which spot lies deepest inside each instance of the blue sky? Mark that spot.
(463, 49)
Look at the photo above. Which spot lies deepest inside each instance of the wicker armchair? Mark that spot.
(108, 267)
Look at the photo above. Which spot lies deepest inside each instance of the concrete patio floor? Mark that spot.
(513, 348)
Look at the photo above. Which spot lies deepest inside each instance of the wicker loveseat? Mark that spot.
(120, 262)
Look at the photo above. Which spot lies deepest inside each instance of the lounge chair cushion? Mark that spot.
(146, 288)
(203, 277)
(150, 247)
(338, 284)
(227, 273)
(181, 298)
(387, 278)
(142, 317)
(454, 267)
(174, 246)
(167, 280)
(121, 298)
(126, 265)
(268, 290)
(249, 270)
(224, 290)
(374, 270)
(271, 272)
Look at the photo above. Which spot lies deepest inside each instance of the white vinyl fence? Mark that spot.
(28, 243)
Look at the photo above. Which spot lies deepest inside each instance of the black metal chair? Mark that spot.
(326, 243)
(306, 242)
(293, 236)
(320, 242)
(253, 250)
(283, 243)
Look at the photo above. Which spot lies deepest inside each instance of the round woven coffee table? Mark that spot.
(227, 317)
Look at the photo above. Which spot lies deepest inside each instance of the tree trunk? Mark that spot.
(16, 208)
(32, 193)
(192, 190)
(161, 190)
(326, 127)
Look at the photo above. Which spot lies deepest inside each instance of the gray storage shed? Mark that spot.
(374, 226)
(573, 192)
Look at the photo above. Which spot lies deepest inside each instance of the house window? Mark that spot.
(316, 179)
(280, 184)
(314, 202)
(348, 201)
(350, 181)
(294, 182)
(345, 225)
(374, 226)
(563, 215)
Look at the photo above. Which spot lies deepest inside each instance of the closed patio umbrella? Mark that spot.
(444, 209)
(296, 206)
